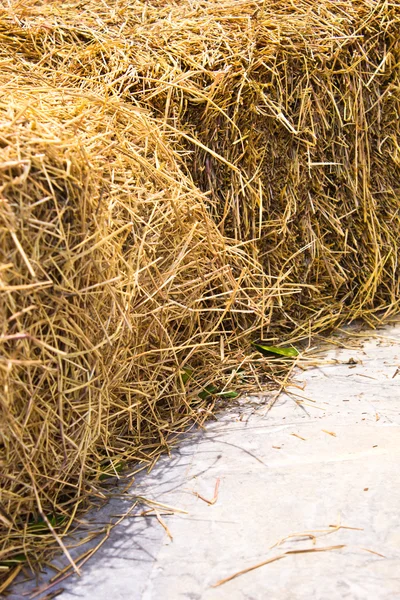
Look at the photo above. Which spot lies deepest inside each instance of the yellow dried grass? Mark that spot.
(177, 179)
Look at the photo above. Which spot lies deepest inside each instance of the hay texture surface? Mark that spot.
(177, 179)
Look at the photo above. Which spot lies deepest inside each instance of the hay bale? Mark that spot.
(177, 179)
(115, 279)
(290, 116)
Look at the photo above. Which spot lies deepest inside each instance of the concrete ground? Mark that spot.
(332, 460)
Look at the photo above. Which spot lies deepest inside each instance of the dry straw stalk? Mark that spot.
(177, 179)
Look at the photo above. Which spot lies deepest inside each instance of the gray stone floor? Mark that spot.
(298, 468)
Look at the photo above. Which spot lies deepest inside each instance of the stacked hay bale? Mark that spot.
(176, 180)
(115, 280)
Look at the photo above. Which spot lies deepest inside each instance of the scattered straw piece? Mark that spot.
(332, 433)
(299, 436)
(215, 497)
(312, 535)
(164, 525)
(279, 557)
(373, 552)
(10, 578)
(252, 568)
(324, 549)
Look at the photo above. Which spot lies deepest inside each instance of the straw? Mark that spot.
(177, 180)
